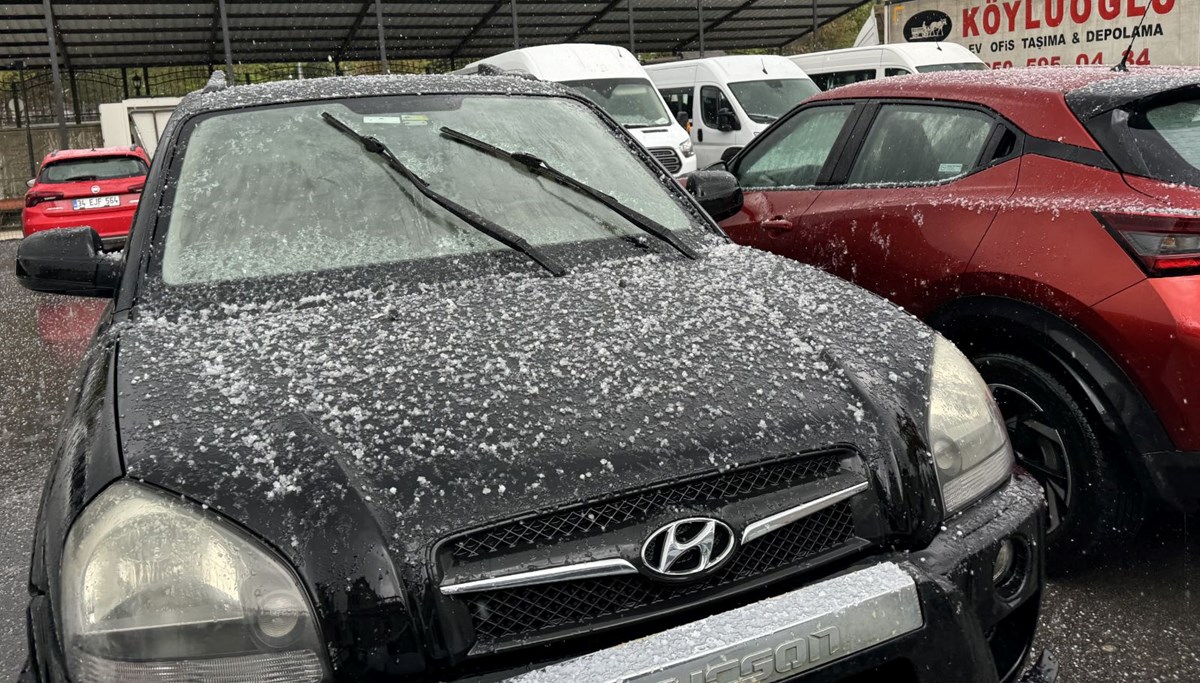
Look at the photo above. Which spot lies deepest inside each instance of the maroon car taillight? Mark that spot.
(1163, 244)
(35, 197)
(136, 189)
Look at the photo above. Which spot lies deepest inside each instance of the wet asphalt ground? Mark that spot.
(1135, 616)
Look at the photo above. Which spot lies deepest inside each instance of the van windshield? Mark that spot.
(633, 102)
(765, 101)
(953, 66)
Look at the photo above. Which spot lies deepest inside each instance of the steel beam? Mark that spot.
(60, 106)
(383, 63)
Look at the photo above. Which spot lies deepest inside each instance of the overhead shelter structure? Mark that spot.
(69, 35)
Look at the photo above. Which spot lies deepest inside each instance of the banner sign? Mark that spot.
(1017, 33)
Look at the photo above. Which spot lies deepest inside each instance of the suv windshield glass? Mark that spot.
(92, 168)
(633, 102)
(955, 66)
(765, 101)
(276, 190)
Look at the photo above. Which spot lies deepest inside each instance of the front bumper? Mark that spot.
(933, 615)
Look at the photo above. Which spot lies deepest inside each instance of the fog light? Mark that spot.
(1002, 565)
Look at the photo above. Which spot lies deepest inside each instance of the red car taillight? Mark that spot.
(1165, 245)
(136, 189)
(35, 197)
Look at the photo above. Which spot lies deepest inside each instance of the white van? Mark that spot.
(738, 96)
(842, 67)
(613, 78)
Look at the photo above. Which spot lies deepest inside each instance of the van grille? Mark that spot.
(668, 158)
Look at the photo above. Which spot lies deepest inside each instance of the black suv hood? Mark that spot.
(468, 402)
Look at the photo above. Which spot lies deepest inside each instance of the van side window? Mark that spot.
(914, 144)
(888, 73)
(835, 79)
(797, 151)
(712, 101)
(679, 101)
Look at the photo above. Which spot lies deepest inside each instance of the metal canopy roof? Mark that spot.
(97, 33)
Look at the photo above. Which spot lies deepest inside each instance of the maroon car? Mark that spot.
(1046, 220)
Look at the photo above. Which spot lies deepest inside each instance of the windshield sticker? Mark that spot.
(953, 169)
(415, 119)
(381, 119)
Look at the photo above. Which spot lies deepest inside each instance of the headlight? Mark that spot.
(154, 589)
(966, 433)
(686, 149)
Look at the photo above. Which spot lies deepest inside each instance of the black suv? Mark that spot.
(431, 379)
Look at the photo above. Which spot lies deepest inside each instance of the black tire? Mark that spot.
(1092, 499)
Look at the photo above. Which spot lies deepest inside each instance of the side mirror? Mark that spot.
(717, 191)
(68, 261)
(726, 121)
(729, 153)
(30, 183)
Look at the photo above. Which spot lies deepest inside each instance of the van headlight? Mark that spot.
(153, 588)
(967, 436)
(685, 148)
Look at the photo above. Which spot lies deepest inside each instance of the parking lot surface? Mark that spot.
(1135, 616)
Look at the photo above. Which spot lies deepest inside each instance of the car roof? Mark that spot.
(125, 150)
(1028, 97)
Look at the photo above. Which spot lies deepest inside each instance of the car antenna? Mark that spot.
(763, 61)
(1123, 65)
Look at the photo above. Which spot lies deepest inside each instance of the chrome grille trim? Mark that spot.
(570, 572)
(781, 519)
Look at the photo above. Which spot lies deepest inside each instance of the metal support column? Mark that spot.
(516, 24)
(64, 139)
(815, 28)
(225, 38)
(383, 63)
(700, 23)
(74, 96)
(146, 79)
(24, 98)
(629, 17)
(125, 82)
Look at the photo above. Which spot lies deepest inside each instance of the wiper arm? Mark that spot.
(539, 167)
(497, 232)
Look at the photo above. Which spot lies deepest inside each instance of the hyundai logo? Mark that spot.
(688, 548)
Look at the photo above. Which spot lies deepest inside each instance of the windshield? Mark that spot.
(633, 102)
(953, 66)
(93, 168)
(766, 101)
(275, 191)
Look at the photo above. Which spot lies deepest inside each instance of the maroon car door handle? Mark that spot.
(778, 224)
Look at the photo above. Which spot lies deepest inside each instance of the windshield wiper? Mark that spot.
(539, 167)
(497, 232)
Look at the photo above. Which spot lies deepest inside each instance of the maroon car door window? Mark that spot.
(911, 144)
(801, 149)
(780, 178)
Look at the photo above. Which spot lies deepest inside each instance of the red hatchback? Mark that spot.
(1047, 221)
(98, 188)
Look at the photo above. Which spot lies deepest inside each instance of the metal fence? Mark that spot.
(30, 100)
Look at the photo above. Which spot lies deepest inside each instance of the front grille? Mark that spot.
(522, 612)
(668, 158)
(592, 518)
